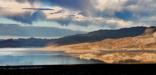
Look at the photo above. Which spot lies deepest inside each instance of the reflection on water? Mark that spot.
(23, 56)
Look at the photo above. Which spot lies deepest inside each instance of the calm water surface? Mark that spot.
(32, 56)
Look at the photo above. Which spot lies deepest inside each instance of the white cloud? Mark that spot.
(63, 13)
(11, 7)
(71, 26)
(91, 25)
(56, 13)
(142, 6)
(120, 23)
(143, 10)
(109, 5)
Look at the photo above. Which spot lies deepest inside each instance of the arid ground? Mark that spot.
(129, 50)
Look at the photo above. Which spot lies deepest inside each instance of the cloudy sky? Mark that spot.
(58, 18)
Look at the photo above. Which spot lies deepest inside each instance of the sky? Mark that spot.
(59, 18)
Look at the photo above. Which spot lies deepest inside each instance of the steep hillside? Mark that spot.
(105, 34)
(129, 50)
(135, 43)
(146, 40)
(136, 49)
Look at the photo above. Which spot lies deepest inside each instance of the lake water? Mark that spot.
(32, 56)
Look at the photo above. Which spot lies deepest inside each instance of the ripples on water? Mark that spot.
(32, 56)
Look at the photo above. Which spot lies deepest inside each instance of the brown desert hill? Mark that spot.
(128, 43)
(136, 49)
(146, 40)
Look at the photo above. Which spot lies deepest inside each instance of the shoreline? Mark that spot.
(113, 56)
(105, 56)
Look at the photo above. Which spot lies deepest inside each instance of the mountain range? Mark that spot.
(134, 45)
(105, 34)
(92, 38)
